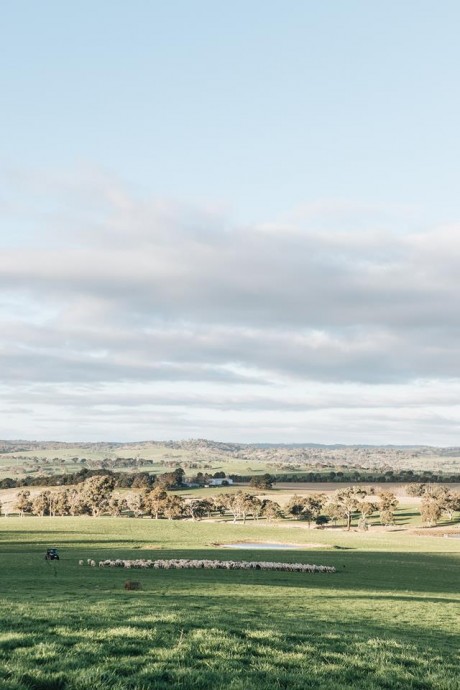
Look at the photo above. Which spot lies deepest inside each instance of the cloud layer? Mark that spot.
(127, 318)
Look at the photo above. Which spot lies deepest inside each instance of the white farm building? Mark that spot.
(225, 481)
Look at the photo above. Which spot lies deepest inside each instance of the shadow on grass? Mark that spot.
(377, 624)
(372, 571)
(171, 615)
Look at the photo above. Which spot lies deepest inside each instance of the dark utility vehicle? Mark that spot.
(51, 555)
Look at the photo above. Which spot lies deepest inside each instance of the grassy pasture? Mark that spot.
(388, 619)
(249, 460)
(12, 466)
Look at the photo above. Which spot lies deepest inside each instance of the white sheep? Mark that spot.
(183, 563)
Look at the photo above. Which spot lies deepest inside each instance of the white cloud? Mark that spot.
(231, 320)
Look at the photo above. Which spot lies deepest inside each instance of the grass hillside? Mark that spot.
(389, 617)
(22, 458)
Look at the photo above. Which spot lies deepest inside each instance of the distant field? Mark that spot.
(12, 465)
(389, 618)
(210, 457)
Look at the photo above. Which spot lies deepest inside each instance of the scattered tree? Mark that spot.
(173, 507)
(198, 508)
(438, 501)
(271, 510)
(263, 482)
(306, 507)
(41, 504)
(23, 503)
(387, 505)
(136, 503)
(346, 502)
(155, 502)
(95, 494)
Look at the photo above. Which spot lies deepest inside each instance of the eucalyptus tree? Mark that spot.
(136, 503)
(271, 510)
(23, 503)
(306, 508)
(173, 507)
(387, 506)
(155, 502)
(346, 502)
(41, 504)
(95, 494)
(198, 508)
(438, 501)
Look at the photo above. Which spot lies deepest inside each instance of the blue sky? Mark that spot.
(241, 218)
(261, 106)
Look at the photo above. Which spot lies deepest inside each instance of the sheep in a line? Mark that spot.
(182, 563)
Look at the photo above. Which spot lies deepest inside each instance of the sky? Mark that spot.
(236, 221)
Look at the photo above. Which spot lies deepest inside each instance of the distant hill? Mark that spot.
(8, 446)
(22, 458)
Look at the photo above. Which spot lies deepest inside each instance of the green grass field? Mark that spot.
(28, 459)
(389, 618)
(159, 459)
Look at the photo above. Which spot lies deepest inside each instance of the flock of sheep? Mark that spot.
(184, 563)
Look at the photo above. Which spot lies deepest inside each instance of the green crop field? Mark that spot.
(389, 617)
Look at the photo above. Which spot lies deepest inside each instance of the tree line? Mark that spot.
(355, 476)
(96, 496)
(176, 478)
(123, 480)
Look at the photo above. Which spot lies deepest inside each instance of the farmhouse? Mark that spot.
(220, 481)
